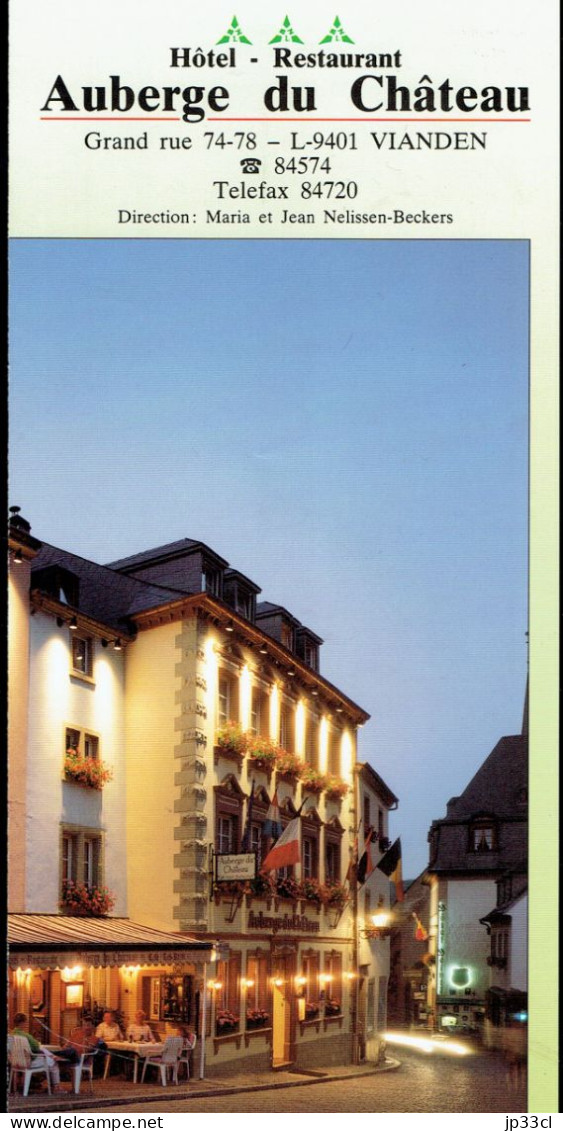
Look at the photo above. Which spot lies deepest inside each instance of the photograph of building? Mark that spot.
(255, 598)
(160, 711)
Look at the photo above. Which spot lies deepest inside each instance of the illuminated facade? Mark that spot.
(482, 837)
(161, 695)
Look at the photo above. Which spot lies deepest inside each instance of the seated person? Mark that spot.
(82, 1039)
(37, 1049)
(139, 1029)
(108, 1029)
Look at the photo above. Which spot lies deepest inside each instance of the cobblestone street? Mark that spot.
(438, 1084)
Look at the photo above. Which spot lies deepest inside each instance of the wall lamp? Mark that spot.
(263, 650)
(247, 983)
(117, 645)
(215, 986)
(73, 624)
(18, 557)
(229, 627)
(291, 671)
(380, 926)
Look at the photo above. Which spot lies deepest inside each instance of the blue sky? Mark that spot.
(344, 421)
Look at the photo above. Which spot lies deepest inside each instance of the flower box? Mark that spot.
(226, 1022)
(335, 895)
(231, 742)
(336, 789)
(89, 772)
(312, 891)
(312, 781)
(86, 901)
(289, 766)
(332, 1008)
(262, 753)
(257, 1019)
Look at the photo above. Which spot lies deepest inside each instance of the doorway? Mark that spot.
(283, 1021)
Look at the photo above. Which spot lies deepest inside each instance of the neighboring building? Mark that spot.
(507, 928)
(482, 837)
(150, 699)
(376, 801)
(411, 963)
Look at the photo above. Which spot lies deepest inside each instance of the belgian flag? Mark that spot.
(391, 865)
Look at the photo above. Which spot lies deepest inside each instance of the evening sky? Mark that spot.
(345, 421)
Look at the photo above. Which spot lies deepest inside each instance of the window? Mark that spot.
(286, 635)
(482, 836)
(81, 856)
(259, 712)
(334, 746)
(381, 824)
(257, 991)
(366, 814)
(312, 742)
(229, 800)
(226, 834)
(227, 999)
(310, 972)
(286, 727)
(309, 862)
(82, 741)
(210, 580)
(333, 857)
(310, 828)
(333, 971)
(227, 699)
(81, 654)
(69, 855)
(91, 854)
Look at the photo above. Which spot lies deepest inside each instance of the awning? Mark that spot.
(51, 942)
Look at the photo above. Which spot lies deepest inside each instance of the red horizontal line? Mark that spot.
(426, 121)
(111, 119)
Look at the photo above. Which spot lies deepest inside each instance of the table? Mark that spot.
(141, 1049)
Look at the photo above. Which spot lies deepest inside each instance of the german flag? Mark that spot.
(391, 865)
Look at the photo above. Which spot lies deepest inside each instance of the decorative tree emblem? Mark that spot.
(336, 34)
(234, 34)
(286, 34)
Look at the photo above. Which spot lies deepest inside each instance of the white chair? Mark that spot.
(23, 1062)
(85, 1067)
(165, 1061)
(184, 1058)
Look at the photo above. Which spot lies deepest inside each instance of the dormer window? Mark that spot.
(211, 580)
(482, 835)
(58, 582)
(287, 636)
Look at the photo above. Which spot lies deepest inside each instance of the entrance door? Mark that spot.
(283, 1023)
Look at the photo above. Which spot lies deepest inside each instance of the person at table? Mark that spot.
(37, 1049)
(139, 1029)
(82, 1039)
(108, 1029)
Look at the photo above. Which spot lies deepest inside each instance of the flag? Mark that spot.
(365, 863)
(245, 842)
(420, 932)
(272, 825)
(353, 865)
(391, 865)
(286, 850)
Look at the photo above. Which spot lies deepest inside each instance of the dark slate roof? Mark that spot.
(373, 779)
(499, 784)
(105, 595)
(267, 609)
(158, 553)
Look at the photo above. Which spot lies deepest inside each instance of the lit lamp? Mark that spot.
(380, 926)
(212, 985)
(248, 983)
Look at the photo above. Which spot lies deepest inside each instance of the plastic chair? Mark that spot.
(85, 1067)
(184, 1058)
(23, 1062)
(166, 1060)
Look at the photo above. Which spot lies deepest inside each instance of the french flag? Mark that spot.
(286, 850)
